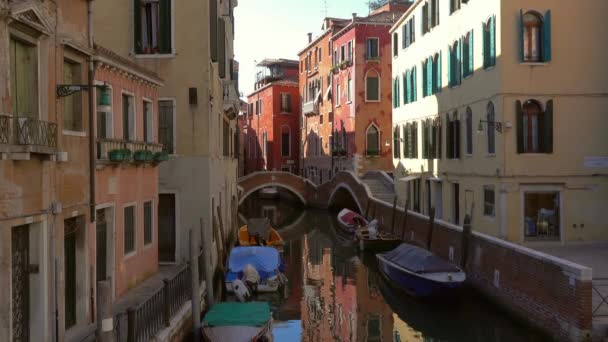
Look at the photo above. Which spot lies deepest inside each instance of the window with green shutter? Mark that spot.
(24, 78)
(406, 86)
(414, 85)
(152, 21)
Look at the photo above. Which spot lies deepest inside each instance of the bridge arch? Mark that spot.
(348, 189)
(278, 185)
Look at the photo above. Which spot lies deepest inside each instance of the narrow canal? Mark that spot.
(336, 293)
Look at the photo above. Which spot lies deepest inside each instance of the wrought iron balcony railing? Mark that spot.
(21, 130)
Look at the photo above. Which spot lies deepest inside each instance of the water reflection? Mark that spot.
(336, 294)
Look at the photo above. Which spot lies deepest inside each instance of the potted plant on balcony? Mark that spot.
(143, 156)
(119, 155)
(161, 157)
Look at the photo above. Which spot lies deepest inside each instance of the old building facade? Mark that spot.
(272, 135)
(493, 119)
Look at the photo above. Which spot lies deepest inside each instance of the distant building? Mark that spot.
(270, 128)
(499, 113)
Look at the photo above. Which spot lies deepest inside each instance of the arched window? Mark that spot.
(532, 37)
(285, 141)
(532, 120)
(436, 79)
(372, 140)
(406, 87)
(491, 130)
(372, 86)
(413, 84)
(469, 123)
(467, 54)
(454, 65)
(489, 43)
(396, 143)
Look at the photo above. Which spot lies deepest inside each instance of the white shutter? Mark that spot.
(132, 136)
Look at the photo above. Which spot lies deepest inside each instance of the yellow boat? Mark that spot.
(257, 232)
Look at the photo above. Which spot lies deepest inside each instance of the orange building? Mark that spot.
(126, 182)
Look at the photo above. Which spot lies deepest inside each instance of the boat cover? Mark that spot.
(253, 314)
(418, 260)
(263, 259)
(349, 216)
(259, 226)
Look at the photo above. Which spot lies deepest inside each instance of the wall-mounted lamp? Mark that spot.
(64, 90)
(497, 125)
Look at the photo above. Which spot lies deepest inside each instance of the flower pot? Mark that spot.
(143, 156)
(161, 157)
(119, 155)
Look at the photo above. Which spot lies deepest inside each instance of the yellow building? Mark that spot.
(498, 113)
(189, 44)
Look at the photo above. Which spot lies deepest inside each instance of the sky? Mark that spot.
(278, 28)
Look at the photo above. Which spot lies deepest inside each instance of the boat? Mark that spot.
(238, 322)
(270, 192)
(371, 239)
(258, 232)
(350, 221)
(418, 271)
(266, 261)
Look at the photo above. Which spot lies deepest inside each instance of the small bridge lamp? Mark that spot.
(497, 125)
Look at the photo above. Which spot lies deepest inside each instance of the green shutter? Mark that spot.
(439, 73)
(471, 54)
(439, 137)
(429, 75)
(213, 30)
(521, 35)
(413, 29)
(493, 40)
(459, 62)
(164, 43)
(450, 67)
(448, 137)
(407, 87)
(414, 85)
(221, 47)
(546, 48)
(398, 92)
(547, 128)
(486, 44)
(457, 139)
(415, 139)
(519, 118)
(424, 79)
(137, 26)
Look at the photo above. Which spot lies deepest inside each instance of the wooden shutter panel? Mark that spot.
(459, 62)
(164, 43)
(424, 79)
(436, 10)
(413, 28)
(137, 26)
(547, 128)
(406, 87)
(213, 29)
(416, 140)
(520, 126)
(429, 75)
(546, 48)
(486, 44)
(471, 54)
(457, 140)
(439, 137)
(493, 40)
(449, 140)
(221, 46)
(414, 85)
(450, 66)
(521, 35)
(425, 9)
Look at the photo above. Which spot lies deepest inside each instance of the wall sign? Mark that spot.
(596, 162)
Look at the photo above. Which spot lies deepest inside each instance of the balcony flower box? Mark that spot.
(143, 156)
(372, 59)
(161, 157)
(119, 155)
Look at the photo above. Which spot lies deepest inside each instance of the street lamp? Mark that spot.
(64, 90)
(497, 125)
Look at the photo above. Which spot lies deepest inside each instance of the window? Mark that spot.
(148, 223)
(285, 141)
(430, 15)
(165, 125)
(147, 119)
(408, 33)
(396, 143)
(415, 194)
(436, 69)
(534, 127)
(372, 141)
(24, 78)
(342, 53)
(542, 215)
(428, 140)
(491, 130)
(104, 119)
(488, 201)
(453, 137)
(467, 58)
(225, 138)
(489, 42)
(395, 44)
(349, 51)
(535, 42)
(129, 229)
(128, 117)
(264, 146)
(153, 26)
(72, 105)
(454, 6)
(431, 75)
(410, 140)
(349, 89)
(286, 103)
(372, 49)
(454, 65)
(396, 101)
(337, 94)
(372, 86)
(469, 123)
(374, 332)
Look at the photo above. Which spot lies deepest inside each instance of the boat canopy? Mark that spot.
(418, 260)
(253, 314)
(263, 259)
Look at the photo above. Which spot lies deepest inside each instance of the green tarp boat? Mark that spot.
(238, 322)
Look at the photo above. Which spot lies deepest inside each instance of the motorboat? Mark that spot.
(267, 264)
(419, 271)
(270, 192)
(371, 239)
(258, 232)
(350, 221)
(238, 322)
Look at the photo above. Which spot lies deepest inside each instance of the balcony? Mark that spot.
(23, 135)
(115, 151)
(231, 98)
(310, 108)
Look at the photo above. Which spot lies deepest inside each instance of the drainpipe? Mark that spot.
(91, 114)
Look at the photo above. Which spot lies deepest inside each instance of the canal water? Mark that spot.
(335, 293)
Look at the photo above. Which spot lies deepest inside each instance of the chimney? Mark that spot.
(310, 37)
(354, 16)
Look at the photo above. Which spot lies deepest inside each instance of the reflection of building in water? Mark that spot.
(290, 309)
(345, 300)
(403, 332)
(374, 316)
(281, 213)
(317, 313)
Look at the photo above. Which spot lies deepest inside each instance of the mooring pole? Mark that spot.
(394, 215)
(105, 321)
(367, 209)
(464, 244)
(206, 260)
(431, 227)
(196, 299)
(404, 224)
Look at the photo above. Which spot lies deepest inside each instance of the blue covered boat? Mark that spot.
(418, 271)
(266, 261)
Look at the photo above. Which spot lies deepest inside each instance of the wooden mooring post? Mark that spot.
(429, 238)
(394, 215)
(464, 244)
(404, 223)
(367, 209)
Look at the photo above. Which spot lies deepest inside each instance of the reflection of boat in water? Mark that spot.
(257, 232)
(238, 322)
(419, 271)
(270, 192)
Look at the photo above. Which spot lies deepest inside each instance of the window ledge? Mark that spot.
(349, 102)
(149, 245)
(74, 133)
(155, 55)
(468, 156)
(534, 154)
(468, 76)
(286, 113)
(534, 63)
(129, 255)
(490, 155)
(489, 67)
(372, 101)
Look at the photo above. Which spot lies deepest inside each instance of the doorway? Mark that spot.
(438, 200)
(166, 228)
(456, 204)
(20, 282)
